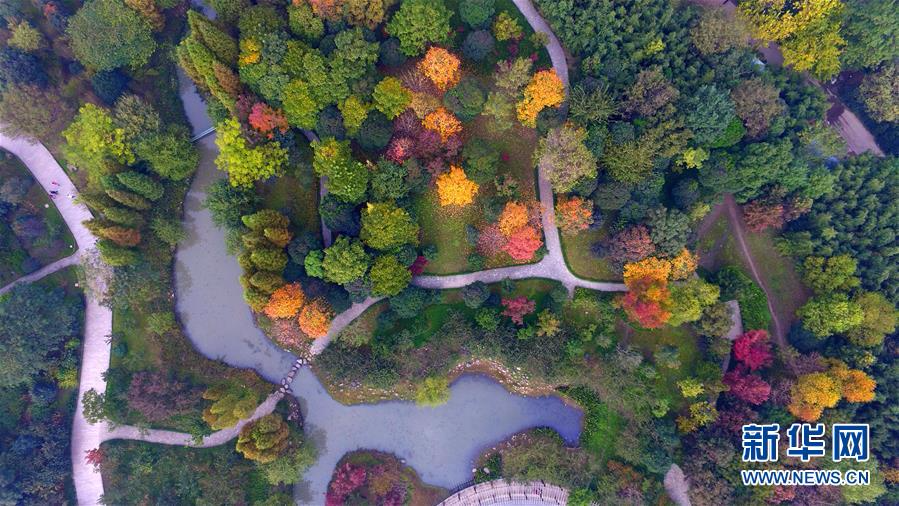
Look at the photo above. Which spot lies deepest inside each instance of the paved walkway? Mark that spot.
(509, 493)
(97, 319)
(44, 271)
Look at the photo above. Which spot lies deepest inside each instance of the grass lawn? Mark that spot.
(53, 243)
(446, 227)
(779, 274)
(717, 249)
(580, 259)
(686, 342)
(297, 200)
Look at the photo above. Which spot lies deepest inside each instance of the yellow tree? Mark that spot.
(441, 67)
(454, 188)
(545, 90)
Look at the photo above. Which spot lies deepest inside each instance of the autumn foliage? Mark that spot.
(814, 392)
(648, 300)
(761, 215)
(574, 214)
(517, 308)
(747, 387)
(285, 302)
(513, 217)
(545, 90)
(441, 67)
(315, 318)
(753, 349)
(443, 122)
(523, 243)
(266, 120)
(455, 189)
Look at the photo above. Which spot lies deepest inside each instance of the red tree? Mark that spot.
(631, 244)
(400, 149)
(346, 480)
(418, 266)
(94, 457)
(747, 387)
(753, 349)
(518, 308)
(266, 120)
(760, 215)
(523, 243)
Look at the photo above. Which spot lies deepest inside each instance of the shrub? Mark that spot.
(432, 392)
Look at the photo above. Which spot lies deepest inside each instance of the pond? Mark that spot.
(439, 442)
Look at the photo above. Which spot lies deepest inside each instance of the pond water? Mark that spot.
(440, 443)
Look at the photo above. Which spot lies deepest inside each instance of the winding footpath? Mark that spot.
(98, 319)
(44, 271)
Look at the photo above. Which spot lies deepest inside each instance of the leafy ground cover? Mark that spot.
(579, 256)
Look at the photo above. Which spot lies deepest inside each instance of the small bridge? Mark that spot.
(534, 493)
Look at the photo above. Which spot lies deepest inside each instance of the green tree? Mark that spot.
(564, 159)
(33, 112)
(388, 181)
(826, 275)
(386, 226)
(390, 97)
(35, 324)
(354, 112)
(433, 391)
(169, 153)
(757, 103)
(870, 29)
(265, 439)
(245, 164)
(878, 91)
(300, 107)
(718, 32)
(418, 23)
(105, 34)
(304, 23)
(708, 112)
(669, 230)
(689, 299)
(230, 404)
(879, 320)
(26, 37)
(93, 141)
(142, 184)
(222, 45)
(388, 276)
(476, 13)
(345, 261)
(833, 313)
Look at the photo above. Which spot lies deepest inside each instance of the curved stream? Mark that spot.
(440, 443)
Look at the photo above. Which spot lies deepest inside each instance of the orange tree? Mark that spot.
(514, 216)
(545, 90)
(574, 214)
(285, 302)
(315, 318)
(454, 188)
(814, 392)
(443, 122)
(441, 67)
(648, 300)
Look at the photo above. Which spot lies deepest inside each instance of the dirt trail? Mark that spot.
(738, 226)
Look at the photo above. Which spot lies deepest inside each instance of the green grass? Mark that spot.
(296, 200)
(446, 230)
(601, 424)
(580, 259)
(780, 276)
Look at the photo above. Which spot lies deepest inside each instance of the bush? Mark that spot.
(432, 391)
(753, 302)
(375, 132)
(478, 45)
(465, 100)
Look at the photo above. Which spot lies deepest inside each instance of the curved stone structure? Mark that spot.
(510, 493)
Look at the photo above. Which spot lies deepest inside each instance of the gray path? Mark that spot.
(97, 319)
(44, 271)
